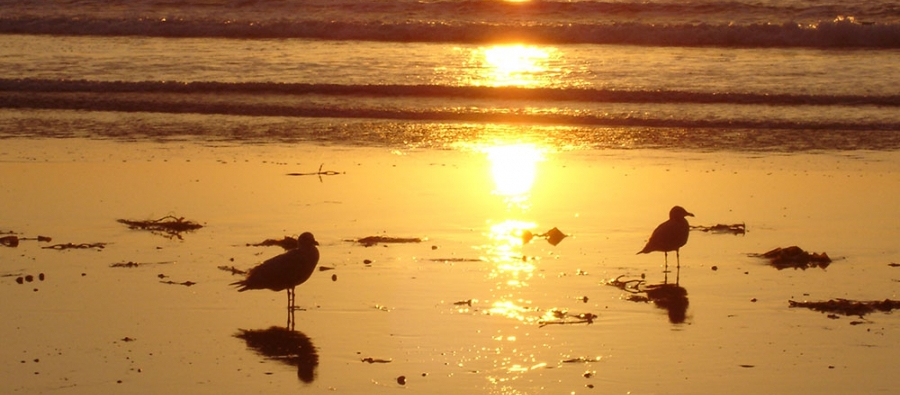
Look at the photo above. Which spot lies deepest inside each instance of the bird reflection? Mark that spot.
(284, 345)
(670, 297)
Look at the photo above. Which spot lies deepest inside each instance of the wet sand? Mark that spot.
(467, 309)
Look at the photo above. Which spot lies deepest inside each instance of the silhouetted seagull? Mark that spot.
(285, 271)
(670, 235)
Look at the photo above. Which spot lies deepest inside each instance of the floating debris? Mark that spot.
(67, 246)
(632, 286)
(463, 302)
(794, 257)
(136, 264)
(324, 268)
(168, 226)
(735, 229)
(563, 317)
(319, 173)
(288, 243)
(376, 360)
(892, 264)
(445, 260)
(582, 360)
(373, 240)
(185, 283)
(232, 269)
(849, 307)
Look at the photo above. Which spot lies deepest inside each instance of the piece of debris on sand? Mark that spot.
(373, 240)
(849, 307)
(168, 226)
(554, 236)
(233, 270)
(794, 257)
(13, 240)
(130, 264)
(735, 229)
(288, 243)
(185, 283)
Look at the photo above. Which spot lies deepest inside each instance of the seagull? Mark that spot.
(670, 235)
(284, 271)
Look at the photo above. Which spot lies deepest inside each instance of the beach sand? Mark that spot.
(467, 309)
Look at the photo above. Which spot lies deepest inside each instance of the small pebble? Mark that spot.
(41, 276)
(367, 261)
(29, 278)
(753, 300)
(334, 277)
(714, 268)
(401, 380)
(20, 280)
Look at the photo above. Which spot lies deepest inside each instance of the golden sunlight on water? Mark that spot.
(514, 65)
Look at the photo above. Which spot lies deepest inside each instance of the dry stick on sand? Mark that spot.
(319, 173)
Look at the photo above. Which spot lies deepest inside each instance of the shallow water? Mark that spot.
(73, 332)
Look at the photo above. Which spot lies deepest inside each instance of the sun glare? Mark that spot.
(514, 168)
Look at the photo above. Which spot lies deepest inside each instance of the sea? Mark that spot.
(757, 75)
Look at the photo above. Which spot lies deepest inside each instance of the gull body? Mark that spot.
(285, 271)
(670, 235)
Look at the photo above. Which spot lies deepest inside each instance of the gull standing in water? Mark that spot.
(670, 235)
(285, 271)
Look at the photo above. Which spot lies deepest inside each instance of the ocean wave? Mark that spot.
(842, 32)
(441, 91)
(568, 107)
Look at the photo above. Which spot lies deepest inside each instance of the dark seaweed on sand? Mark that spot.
(849, 307)
(794, 257)
(168, 226)
(68, 246)
(288, 243)
(373, 240)
(735, 229)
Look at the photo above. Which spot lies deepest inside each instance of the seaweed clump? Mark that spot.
(287, 243)
(373, 240)
(849, 307)
(168, 226)
(795, 257)
(735, 229)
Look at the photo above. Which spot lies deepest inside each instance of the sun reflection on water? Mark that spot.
(508, 247)
(514, 65)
